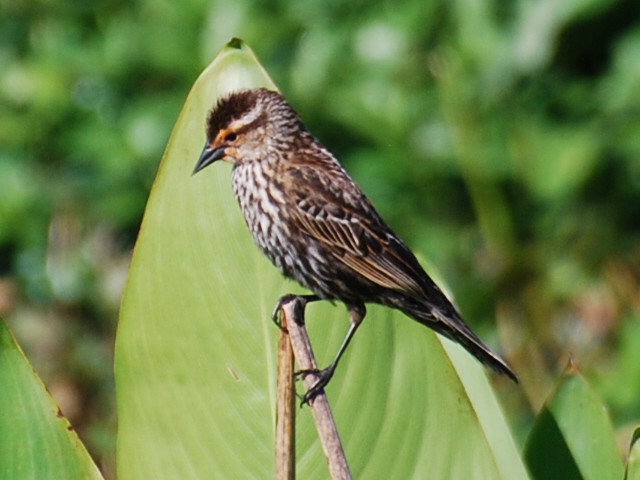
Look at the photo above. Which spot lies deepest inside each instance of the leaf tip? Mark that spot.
(572, 366)
(235, 43)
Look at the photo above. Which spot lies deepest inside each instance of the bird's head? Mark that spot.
(246, 126)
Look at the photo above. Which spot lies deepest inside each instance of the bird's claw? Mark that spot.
(275, 315)
(322, 379)
(291, 297)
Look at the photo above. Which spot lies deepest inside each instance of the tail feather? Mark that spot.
(453, 327)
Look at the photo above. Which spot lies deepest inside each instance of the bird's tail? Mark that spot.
(453, 327)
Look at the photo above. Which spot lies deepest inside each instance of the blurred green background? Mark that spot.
(500, 139)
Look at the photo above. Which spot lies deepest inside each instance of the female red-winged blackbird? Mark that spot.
(314, 223)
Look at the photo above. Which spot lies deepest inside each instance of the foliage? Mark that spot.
(500, 139)
(573, 424)
(217, 414)
(37, 440)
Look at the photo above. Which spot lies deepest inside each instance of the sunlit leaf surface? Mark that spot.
(573, 437)
(36, 440)
(633, 463)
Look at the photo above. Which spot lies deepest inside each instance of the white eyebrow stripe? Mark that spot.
(248, 118)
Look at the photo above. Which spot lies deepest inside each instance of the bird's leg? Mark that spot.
(357, 313)
(282, 301)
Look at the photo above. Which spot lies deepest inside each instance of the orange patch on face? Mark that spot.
(219, 140)
(231, 155)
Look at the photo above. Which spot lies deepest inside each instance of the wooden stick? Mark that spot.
(293, 312)
(285, 409)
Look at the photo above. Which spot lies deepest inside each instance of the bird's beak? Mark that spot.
(208, 156)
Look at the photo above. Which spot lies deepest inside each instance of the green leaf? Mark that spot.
(195, 351)
(573, 437)
(36, 440)
(633, 462)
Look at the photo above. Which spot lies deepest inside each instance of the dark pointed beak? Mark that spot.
(208, 156)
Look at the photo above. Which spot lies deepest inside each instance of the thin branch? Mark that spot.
(293, 311)
(285, 409)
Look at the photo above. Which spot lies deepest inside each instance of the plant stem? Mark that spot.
(285, 409)
(293, 311)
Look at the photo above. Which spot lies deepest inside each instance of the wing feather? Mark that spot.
(336, 213)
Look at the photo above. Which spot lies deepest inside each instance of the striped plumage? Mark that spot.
(314, 223)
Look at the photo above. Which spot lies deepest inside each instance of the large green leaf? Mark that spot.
(36, 440)
(633, 462)
(573, 437)
(195, 351)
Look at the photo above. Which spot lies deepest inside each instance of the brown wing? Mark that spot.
(332, 209)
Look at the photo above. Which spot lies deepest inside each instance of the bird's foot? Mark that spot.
(322, 379)
(301, 300)
(275, 315)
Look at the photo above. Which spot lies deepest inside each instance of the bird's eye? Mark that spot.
(230, 137)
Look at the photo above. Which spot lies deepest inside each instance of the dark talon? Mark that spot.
(282, 301)
(323, 377)
(290, 297)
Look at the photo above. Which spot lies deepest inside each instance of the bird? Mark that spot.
(315, 224)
